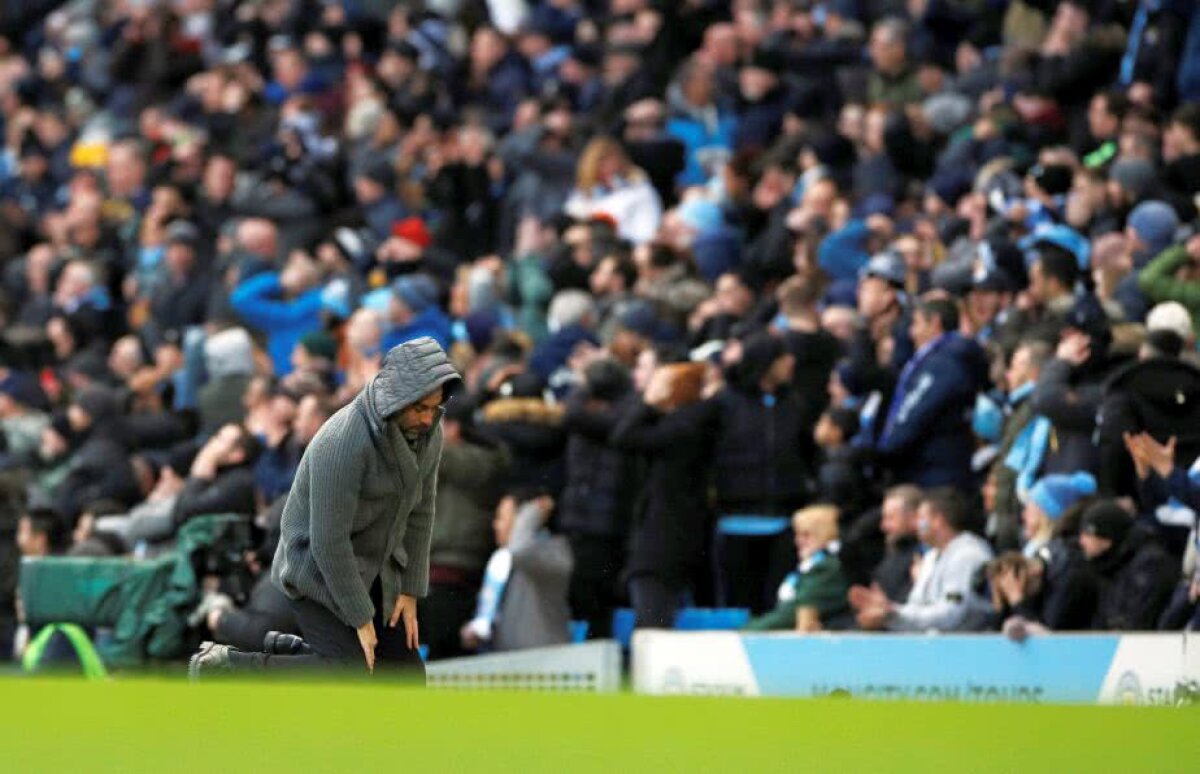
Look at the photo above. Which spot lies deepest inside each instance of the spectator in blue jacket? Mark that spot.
(705, 130)
(414, 312)
(284, 305)
(926, 439)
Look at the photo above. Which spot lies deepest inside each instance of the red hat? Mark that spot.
(414, 230)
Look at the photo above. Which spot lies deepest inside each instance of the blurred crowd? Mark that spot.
(874, 314)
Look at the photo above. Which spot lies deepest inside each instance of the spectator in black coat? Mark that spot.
(99, 465)
(668, 540)
(1053, 590)
(762, 461)
(840, 480)
(1136, 575)
(221, 479)
(596, 503)
(1070, 388)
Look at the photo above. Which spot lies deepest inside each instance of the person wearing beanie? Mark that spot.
(413, 311)
(1175, 276)
(1046, 502)
(1131, 181)
(22, 418)
(1136, 575)
(99, 468)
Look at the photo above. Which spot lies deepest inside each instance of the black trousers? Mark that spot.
(593, 593)
(749, 569)
(655, 601)
(335, 647)
(442, 614)
(268, 610)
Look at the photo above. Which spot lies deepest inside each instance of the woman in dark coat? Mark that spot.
(672, 522)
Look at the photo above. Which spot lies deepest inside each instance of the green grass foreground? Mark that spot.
(51, 724)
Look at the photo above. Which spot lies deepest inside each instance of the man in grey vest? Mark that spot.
(353, 553)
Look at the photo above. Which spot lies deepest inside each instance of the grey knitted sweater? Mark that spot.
(362, 503)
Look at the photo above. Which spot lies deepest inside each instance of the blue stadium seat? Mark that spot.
(579, 631)
(691, 619)
(622, 626)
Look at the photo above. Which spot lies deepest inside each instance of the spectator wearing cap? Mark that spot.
(1131, 181)
(884, 325)
(413, 311)
(763, 457)
(179, 299)
(1070, 388)
(1150, 230)
(987, 302)
(698, 121)
(316, 353)
(1046, 503)
(1175, 276)
(607, 183)
(282, 305)
(925, 438)
(1136, 575)
(22, 418)
(375, 192)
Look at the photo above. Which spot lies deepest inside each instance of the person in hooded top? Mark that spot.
(353, 553)
(1136, 575)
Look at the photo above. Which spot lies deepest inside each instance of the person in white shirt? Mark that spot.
(608, 184)
(943, 597)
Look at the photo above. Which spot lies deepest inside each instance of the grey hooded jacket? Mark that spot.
(361, 506)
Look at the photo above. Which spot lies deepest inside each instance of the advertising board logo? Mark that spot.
(1129, 689)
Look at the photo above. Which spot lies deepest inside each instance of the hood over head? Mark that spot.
(410, 371)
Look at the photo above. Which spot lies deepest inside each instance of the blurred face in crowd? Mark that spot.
(875, 297)
(931, 525)
(886, 50)
(699, 87)
(1033, 520)
(826, 434)
(1102, 123)
(1021, 369)
(1179, 141)
(1094, 545)
(502, 524)
(299, 273)
(125, 171)
(721, 45)
(733, 297)
(897, 520)
(219, 175)
(179, 259)
(126, 357)
(755, 83)
(606, 279)
(647, 362)
(487, 49)
(984, 305)
(417, 419)
(289, 69)
(364, 332)
(1040, 288)
(924, 328)
(309, 418)
(839, 321)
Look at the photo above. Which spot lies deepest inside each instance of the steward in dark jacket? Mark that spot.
(926, 438)
(596, 505)
(762, 464)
